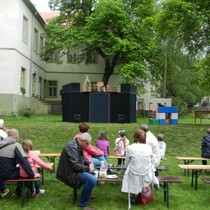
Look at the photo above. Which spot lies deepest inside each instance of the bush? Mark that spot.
(26, 112)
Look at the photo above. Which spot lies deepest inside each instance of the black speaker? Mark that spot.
(99, 107)
(128, 88)
(75, 107)
(122, 107)
(77, 118)
(121, 118)
(71, 88)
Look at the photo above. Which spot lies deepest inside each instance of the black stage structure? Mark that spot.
(98, 107)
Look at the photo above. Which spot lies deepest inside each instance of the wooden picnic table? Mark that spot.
(200, 113)
(188, 161)
(41, 170)
(196, 171)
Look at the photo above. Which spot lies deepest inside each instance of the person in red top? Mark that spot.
(33, 160)
(93, 154)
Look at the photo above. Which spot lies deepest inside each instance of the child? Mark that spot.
(103, 143)
(33, 159)
(162, 145)
(121, 145)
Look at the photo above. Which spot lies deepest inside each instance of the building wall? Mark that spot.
(16, 55)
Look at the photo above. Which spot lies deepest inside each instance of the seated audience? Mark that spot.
(11, 154)
(33, 159)
(3, 133)
(140, 171)
(151, 140)
(102, 143)
(162, 145)
(75, 170)
(205, 146)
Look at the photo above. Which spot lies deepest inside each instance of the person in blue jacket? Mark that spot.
(205, 146)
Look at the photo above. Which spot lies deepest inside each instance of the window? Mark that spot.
(73, 56)
(36, 40)
(54, 58)
(52, 88)
(41, 50)
(23, 81)
(25, 30)
(92, 57)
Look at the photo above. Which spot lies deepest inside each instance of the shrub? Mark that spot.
(26, 112)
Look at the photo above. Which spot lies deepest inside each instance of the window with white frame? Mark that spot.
(92, 57)
(25, 30)
(52, 87)
(36, 40)
(73, 55)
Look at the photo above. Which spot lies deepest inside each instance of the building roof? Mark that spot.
(49, 15)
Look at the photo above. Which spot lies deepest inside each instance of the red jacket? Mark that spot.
(90, 151)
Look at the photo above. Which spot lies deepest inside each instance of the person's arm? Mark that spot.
(23, 162)
(94, 151)
(39, 162)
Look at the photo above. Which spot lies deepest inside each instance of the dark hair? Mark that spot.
(139, 136)
(102, 135)
(122, 133)
(83, 127)
(208, 131)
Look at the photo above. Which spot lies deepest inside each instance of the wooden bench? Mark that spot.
(188, 161)
(206, 180)
(23, 183)
(196, 171)
(164, 183)
(118, 179)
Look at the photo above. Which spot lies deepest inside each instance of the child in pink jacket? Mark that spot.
(33, 160)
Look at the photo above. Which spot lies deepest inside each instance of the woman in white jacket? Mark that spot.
(139, 168)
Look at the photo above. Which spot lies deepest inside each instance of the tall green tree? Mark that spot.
(113, 28)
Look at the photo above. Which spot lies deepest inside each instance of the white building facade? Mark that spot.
(25, 78)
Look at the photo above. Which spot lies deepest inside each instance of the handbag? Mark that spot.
(146, 196)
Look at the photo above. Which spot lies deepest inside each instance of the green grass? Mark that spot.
(50, 134)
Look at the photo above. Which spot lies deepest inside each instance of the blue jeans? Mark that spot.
(97, 160)
(14, 175)
(89, 182)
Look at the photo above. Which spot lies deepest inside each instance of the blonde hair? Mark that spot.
(27, 145)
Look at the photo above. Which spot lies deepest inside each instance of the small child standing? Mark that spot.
(103, 143)
(33, 159)
(162, 145)
(121, 145)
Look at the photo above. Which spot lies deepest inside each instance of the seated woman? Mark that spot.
(139, 168)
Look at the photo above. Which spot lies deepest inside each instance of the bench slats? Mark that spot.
(206, 180)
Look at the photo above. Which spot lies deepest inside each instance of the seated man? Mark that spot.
(3, 133)
(74, 169)
(10, 152)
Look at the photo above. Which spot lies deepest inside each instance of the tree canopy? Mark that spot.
(113, 28)
(165, 42)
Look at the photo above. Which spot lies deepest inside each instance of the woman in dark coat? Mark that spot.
(205, 146)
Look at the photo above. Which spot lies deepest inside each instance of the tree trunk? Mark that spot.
(165, 69)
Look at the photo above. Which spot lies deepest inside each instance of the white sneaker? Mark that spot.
(41, 192)
(4, 193)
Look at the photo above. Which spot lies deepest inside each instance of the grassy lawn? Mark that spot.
(50, 134)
